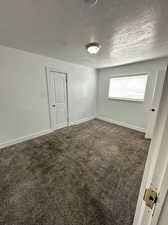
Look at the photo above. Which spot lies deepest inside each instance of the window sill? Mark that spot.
(127, 99)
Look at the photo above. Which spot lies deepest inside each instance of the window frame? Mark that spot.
(129, 99)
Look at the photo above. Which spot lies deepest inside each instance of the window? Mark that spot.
(128, 87)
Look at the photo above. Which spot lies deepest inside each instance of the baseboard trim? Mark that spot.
(24, 138)
(82, 120)
(123, 124)
(38, 134)
(41, 133)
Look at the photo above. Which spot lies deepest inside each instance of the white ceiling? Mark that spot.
(129, 30)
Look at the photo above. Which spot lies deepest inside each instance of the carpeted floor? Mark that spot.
(88, 174)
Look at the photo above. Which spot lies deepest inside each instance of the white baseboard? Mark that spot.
(25, 138)
(123, 124)
(81, 121)
(38, 134)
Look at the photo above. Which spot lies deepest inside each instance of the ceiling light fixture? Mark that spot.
(93, 48)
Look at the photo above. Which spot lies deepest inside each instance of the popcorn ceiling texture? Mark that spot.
(128, 30)
(89, 174)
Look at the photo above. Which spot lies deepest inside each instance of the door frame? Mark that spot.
(156, 98)
(144, 215)
(54, 69)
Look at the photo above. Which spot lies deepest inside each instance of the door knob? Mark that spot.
(153, 110)
(53, 105)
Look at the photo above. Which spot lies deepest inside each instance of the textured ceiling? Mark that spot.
(129, 30)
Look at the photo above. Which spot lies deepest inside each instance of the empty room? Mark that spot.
(83, 112)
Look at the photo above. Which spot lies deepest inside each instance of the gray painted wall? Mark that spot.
(132, 113)
(23, 93)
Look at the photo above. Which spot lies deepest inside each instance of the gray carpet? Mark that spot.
(88, 174)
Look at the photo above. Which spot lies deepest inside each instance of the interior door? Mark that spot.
(156, 170)
(153, 111)
(57, 89)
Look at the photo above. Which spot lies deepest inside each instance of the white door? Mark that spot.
(153, 110)
(156, 169)
(57, 91)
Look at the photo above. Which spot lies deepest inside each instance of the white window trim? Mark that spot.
(129, 99)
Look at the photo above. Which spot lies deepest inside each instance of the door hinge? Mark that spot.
(150, 197)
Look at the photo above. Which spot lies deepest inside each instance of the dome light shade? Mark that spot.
(93, 48)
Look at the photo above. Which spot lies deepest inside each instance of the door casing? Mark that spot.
(156, 168)
(156, 97)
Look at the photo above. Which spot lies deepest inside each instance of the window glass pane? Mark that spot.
(128, 88)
